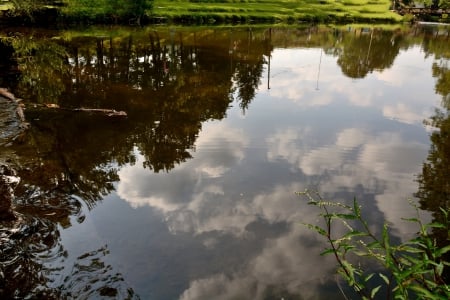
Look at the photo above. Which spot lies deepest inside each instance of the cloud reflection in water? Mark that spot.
(235, 185)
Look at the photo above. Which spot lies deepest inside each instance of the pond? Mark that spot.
(192, 194)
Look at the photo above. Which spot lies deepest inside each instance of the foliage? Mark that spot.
(411, 269)
(41, 65)
(114, 8)
(99, 10)
(435, 3)
(27, 7)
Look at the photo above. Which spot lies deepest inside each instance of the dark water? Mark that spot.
(192, 195)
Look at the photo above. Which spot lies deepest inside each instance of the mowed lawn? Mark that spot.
(261, 11)
(279, 10)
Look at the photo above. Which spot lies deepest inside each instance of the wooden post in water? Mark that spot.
(318, 72)
(270, 54)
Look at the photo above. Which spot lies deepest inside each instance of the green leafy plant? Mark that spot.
(371, 263)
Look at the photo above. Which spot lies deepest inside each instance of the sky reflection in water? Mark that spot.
(226, 223)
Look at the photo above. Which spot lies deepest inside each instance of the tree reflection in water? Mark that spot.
(434, 181)
(367, 50)
(167, 89)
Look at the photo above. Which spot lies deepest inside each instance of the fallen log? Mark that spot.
(102, 111)
(106, 112)
(20, 107)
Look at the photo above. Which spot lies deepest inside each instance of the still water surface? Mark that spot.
(192, 196)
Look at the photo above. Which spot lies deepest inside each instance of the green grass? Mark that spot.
(5, 6)
(243, 11)
(276, 11)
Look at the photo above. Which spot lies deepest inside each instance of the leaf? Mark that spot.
(421, 291)
(374, 245)
(415, 220)
(444, 211)
(329, 203)
(346, 216)
(442, 251)
(348, 247)
(316, 228)
(368, 277)
(350, 270)
(418, 242)
(327, 251)
(440, 269)
(404, 274)
(409, 249)
(356, 207)
(362, 253)
(374, 291)
(386, 244)
(435, 225)
(354, 233)
(384, 277)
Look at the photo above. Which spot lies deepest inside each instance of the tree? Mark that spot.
(126, 11)
(436, 3)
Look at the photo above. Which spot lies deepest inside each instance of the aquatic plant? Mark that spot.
(372, 264)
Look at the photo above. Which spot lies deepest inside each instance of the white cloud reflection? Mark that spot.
(185, 194)
(278, 265)
(384, 163)
(300, 81)
(380, 162)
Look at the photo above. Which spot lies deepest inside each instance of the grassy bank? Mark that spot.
(223, 11)
(270, 11)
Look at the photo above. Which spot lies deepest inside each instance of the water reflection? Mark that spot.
(434, 185)
(191, 196)
(367, 50)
